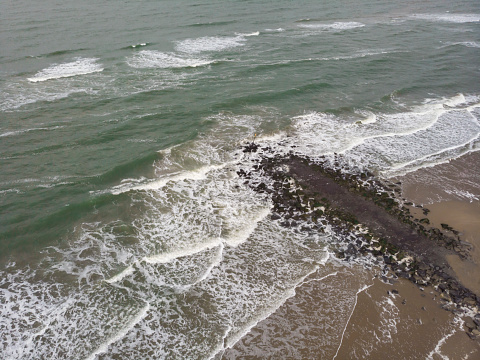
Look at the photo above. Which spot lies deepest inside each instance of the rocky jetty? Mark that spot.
(368, 217)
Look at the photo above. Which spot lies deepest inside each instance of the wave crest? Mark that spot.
(158, 59)
(81, 66)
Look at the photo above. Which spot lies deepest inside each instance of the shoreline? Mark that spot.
(371, 218)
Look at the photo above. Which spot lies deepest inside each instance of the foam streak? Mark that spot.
(103, 347)
(365, 287)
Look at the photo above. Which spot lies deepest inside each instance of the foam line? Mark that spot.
(103, 347)
(439, 112)
(216, 261)
(170, 256)
(387, 135)
(442, 341)
(124, 273)
(221, 346)
(365, 287)
(256, 33)
(454, 18)
(209, 43)
(18, 132)
(198, 174)
(455, 101)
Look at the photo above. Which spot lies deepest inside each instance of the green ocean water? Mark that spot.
(120, 124)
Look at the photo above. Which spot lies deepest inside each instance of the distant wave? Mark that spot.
(81, 66)
(447, 17)
(57, 53)
(470, 44)
(16, 100)
(256, 33)
(333, 26)
(139, 45)
(18, 132)
(275, 30)
(212, 23)
(158, 59)
(210, 43)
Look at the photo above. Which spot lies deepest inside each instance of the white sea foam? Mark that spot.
(269, 311)
(245, 227)
(449, 17)
(389, 318)
(256, 33)
(81, 66)
(336, 26)
(369, 117)
(162, 60)
(16, 191)
(210, 44)
(464, 194)
(275, 30)
(393, 169)
(455, 100)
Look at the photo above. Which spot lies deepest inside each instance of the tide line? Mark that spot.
(167, 257)
(442, 341)
(267, 313)
(397, 167)
(365, 287)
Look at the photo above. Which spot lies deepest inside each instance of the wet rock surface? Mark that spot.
(368, 218)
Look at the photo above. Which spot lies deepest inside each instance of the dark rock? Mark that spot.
(274, 216)
(469, 323)
(251, 147)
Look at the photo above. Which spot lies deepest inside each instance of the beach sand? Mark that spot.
(428, 187)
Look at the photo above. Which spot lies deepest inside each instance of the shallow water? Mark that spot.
(125, 231)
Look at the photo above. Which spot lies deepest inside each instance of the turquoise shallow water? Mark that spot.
(119, 130)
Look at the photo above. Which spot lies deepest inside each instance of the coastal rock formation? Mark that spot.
(368, 217)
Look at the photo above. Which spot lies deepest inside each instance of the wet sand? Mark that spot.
(406, 323)
(462, 176)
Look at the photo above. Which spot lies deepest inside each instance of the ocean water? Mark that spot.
(125, 232)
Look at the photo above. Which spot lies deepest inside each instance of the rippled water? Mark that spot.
(125, 231)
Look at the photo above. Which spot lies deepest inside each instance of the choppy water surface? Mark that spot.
(125, 231)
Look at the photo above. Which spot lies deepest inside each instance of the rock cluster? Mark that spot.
(295, 205)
